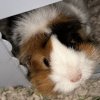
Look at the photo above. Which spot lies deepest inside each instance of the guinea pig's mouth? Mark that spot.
(64, 86)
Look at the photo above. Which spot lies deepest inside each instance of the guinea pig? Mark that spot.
(52, 41)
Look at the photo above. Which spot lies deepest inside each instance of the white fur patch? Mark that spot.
(34, 22)
(64, 63)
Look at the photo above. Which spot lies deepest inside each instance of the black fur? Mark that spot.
(67, 33)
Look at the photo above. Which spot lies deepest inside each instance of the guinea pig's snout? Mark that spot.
(75, 76)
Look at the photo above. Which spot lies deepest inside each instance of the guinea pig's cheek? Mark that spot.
(87, 66)
(42, 82)
(89, 59)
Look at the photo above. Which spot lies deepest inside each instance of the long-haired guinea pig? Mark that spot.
(53, 43)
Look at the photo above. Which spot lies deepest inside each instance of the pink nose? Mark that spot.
(75, 77)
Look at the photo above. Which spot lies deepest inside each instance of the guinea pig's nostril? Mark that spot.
(76, 77)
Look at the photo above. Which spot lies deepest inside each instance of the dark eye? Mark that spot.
(46, 62)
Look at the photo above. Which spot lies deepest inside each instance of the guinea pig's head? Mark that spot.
(59, 61)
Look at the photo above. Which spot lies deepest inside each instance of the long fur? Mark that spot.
(53, 43)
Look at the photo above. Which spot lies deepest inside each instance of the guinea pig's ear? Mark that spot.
(24, 58)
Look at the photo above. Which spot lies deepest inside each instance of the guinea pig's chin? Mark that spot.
(64, 86)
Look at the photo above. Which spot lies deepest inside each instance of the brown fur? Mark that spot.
(33, 54)
(90, 50)
(42, 82)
